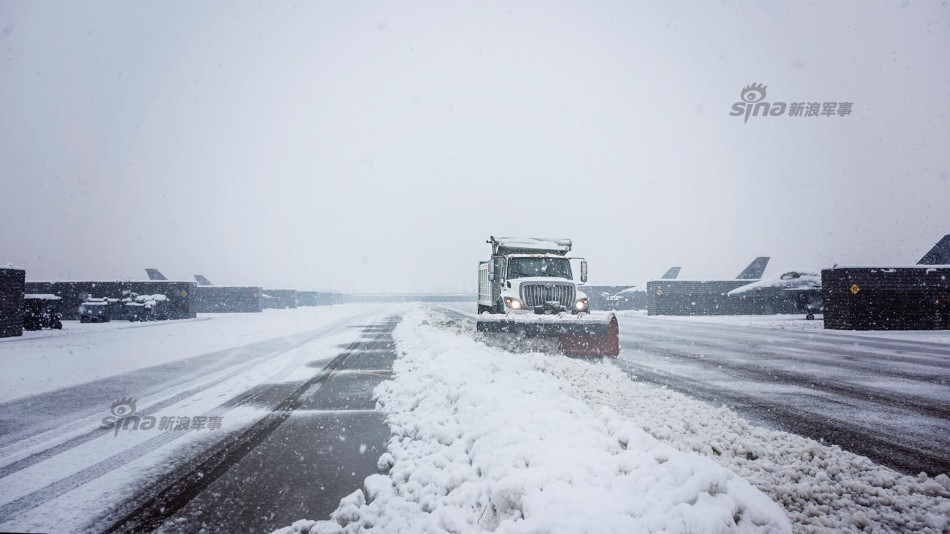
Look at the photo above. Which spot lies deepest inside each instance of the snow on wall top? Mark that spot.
(107, 281)
(701, 281)
(889, 267)
(40, 296)
(229, 287)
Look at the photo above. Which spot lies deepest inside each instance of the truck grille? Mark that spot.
(537, 294)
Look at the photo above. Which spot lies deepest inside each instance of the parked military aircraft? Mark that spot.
(801, 287)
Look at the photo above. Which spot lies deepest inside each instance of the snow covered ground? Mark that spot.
(52, 359)
(798, 322)
(484, 440)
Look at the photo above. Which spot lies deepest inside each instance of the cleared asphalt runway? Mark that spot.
(882, 398)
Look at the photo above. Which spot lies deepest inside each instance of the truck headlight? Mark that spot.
(580, 305)
(513, 303)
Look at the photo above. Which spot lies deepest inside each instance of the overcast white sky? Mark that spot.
(372, 146)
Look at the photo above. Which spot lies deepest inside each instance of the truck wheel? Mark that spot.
(810, 317)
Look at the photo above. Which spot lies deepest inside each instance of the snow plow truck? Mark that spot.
(527, 293)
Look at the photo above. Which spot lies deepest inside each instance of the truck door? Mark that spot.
(501, 274)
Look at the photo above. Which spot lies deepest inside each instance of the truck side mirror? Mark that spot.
(583, 271)
(491, 271)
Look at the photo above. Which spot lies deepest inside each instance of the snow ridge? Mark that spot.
(822, 488)
(484, 440)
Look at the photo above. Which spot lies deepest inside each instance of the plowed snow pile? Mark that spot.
(822, 488)
(483, 440)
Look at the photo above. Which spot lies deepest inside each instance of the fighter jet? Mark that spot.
(755, 269)
(702, 297)
(671, 273)
(939, 254)
(154, 274)
(801, 287)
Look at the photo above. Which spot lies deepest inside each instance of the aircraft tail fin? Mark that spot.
(154, 274)
(755, 269)
(671, 274)
(202, 281)
(939, 255)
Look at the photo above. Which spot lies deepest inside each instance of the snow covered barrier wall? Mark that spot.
(280, 298)
(180, 294)
(880, 298)
(314, 298)
(484, 440)
(227, 299)
(11, 301)
(615, 298)
(710, 297)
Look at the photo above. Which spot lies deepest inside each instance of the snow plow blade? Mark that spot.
(573, 335)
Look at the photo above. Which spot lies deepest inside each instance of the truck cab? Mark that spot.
(530, 275)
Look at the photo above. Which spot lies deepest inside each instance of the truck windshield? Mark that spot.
(530, 267)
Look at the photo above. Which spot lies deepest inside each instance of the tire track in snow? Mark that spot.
(60, 448)
(893, 348)
(86, 475)
(880, 447)
(762, 374)
(192, 479)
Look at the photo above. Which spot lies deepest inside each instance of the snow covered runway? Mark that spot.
(888, 399)
(481, 439)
